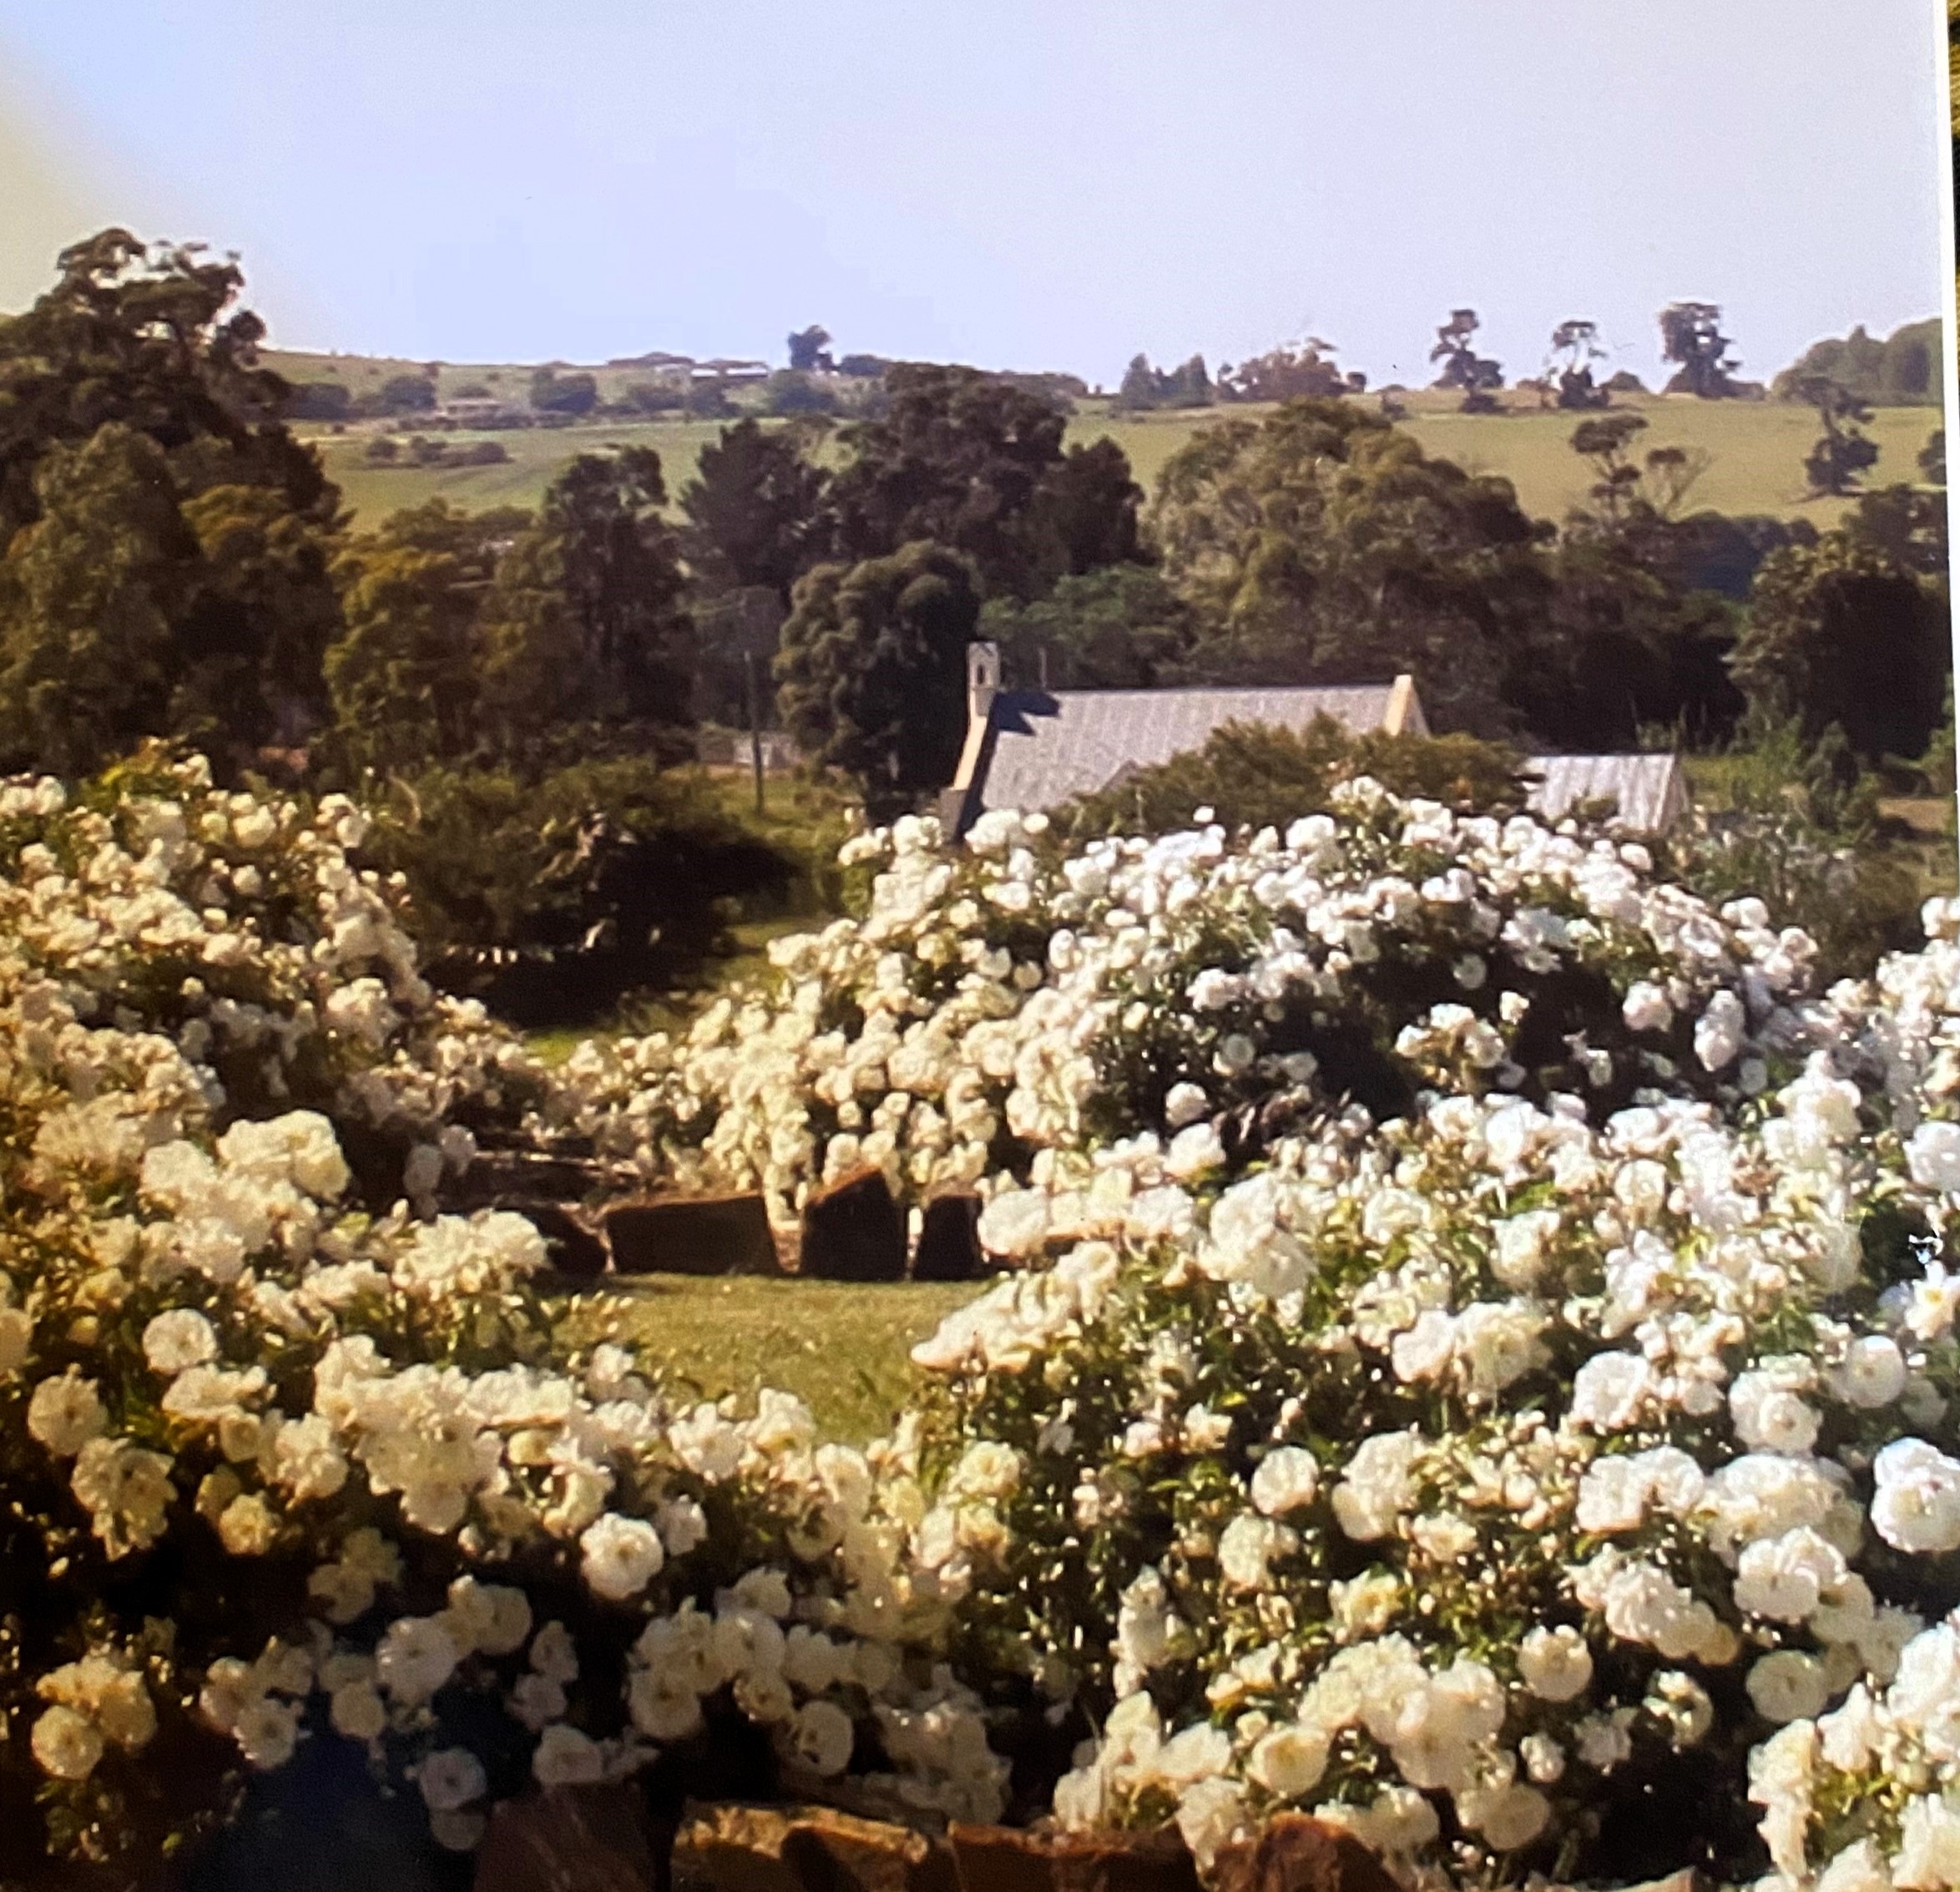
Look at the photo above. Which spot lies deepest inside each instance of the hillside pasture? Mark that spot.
(1756, 451)
(1755, 448)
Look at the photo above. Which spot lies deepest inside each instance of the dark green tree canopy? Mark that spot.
(1844, 452)
(145, 336)
(1120, 627)
(871, 674)
(754, 509)
(1691, 334)
(1462, 367)
(164, 541)
(1322, 545)
(1842, 632)
(1289, 373)
(1144, 387)
(810, 349)
(586, 636)
(405, 674)
(959, 457)
(1575, 346)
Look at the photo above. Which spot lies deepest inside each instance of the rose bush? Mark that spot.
(1479, 1362)
(290, 1454)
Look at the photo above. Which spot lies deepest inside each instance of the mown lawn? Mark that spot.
(844, 1349)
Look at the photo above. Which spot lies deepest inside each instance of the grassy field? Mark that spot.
(843, 1350)
(1755, 448)
(1755, 453)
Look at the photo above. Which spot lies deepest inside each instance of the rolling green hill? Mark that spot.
(1754, 449)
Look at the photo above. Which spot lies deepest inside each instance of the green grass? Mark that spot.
(537, 456)
(802, 819)
(1756, 450)
(843, 1350)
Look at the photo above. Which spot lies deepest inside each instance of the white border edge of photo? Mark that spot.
(1949, 321)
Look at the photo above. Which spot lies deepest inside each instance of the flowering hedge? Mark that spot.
(288, 1454)
(1478, 1365)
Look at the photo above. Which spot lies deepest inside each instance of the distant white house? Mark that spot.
(1036, 749)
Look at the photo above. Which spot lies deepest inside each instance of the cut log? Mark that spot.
(949, 1242)
(854, 1232)
(692, 1235)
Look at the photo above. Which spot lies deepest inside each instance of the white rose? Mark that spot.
(1555, 1664)
(181, 1338)
(1287, 1480)
(1788, 1686)
(1245, 1547)
(450, 1779)
(566, 1758)
(1290, 1761)
(1646, 1008)
(65, 1413)
(358, 1712)
(1014, 1223)
(622, 1555)
(822, 1737)
(66, 1744)
(1932, 1155)
(1916, 1505)
(1184, 1104)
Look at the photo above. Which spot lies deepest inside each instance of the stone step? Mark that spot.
(594, 1839)
(854, 1230)
(699, 1235)
(1296, 1853)
(1004, 1858)
(949, 1241)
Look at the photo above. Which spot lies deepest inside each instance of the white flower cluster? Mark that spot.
(1521, 1436)
(1014, 999)
(357, 1430)
(1484, 1329)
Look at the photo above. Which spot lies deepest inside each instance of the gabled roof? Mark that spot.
(1042, 748)
(1651, 791)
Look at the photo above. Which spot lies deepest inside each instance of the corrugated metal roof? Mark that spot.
(1047, 747)
(1651, 791)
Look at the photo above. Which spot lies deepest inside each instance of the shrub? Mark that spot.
(1252, 776)
(549, 899)
(1481, 1369)
(284, 1464)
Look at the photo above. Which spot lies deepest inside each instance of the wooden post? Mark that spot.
(754, 724)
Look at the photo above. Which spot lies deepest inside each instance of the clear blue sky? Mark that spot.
(1014, 183)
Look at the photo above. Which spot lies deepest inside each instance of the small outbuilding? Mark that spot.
(1649, 792)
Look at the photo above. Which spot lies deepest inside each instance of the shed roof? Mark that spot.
(1651, 791)
(1045, 747)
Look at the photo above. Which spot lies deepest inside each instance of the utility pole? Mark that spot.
(754, 696)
